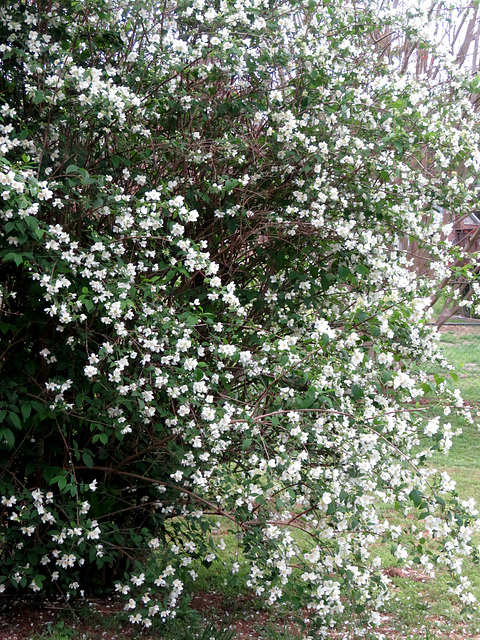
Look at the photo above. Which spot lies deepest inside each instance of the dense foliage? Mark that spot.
(207, 318)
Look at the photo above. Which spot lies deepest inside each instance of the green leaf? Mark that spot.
(362, 316)
(362, 269)
(386, 376)
(26, 409)
(230, 184)
(7, 435)
(15, 257)
(426, 387)
(61, 481)
(416, 497)
(87, 459)
(15, 420)
(171, 274)
(357, 392)
(309, 399)
(32, 222)
(39, 96)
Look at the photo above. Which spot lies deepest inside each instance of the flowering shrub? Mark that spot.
(207, 316)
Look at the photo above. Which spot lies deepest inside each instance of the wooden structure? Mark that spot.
(463, 230)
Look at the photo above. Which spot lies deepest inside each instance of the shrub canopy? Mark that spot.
(207, 315)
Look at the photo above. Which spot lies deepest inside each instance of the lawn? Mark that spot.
(420, 608)
(461, 346)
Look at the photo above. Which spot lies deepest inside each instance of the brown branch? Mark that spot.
(137, 476)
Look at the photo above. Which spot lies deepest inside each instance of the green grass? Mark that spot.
(461, 347)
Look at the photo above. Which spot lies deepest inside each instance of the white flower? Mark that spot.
(403, 380)
(84, 507)
(138, 580)
(192, 216)
(322, 326)
(385, 358)
(375, 618)
(208, 413)
(227, 349)
(135, 619)
(178, 229)
(401, 553)
(34, 586)
(184, 344)
(183, 410)
(180, 46)
(190, 364)
(357, 357)
(432, 427)
(124, 589)
(94, 534)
